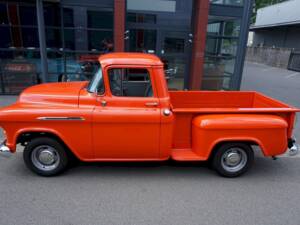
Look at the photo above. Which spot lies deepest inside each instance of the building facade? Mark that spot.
(278, 26)
(201, 42)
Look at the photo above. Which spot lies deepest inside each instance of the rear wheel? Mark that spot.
(233, 159)
(45, 156)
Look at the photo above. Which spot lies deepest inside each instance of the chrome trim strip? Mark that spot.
(55, 118)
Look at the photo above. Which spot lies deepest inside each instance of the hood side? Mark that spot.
(64, 93)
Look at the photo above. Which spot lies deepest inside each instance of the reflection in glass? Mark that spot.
(175, 68)
(216, 83)
(19, 69)
(142, 40)
(228, 2)
(100, 40)
(220, 52)
(65, 67)
(174, 45)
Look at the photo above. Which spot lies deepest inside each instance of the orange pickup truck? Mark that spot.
(126, 113)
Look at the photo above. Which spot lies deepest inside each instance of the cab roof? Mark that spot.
(127, 58)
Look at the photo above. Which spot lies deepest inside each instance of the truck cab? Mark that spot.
(127, 113)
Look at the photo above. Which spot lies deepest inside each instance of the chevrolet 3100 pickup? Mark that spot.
(126, 113)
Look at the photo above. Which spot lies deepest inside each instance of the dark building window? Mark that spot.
(69, 39)
(28, 15)
(30, 37)
(68, 17)
(100, 19)
(53, 38)
(100, 40)
(52, 15)
(3, 14)
(5, 40)
(141, 18)
(100, 33)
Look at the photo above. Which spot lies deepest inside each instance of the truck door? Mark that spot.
(126, 119)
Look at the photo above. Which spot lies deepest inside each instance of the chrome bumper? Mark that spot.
(293, 147)
(4, 150)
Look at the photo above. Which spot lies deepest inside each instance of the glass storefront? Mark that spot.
(77, 32)
(226, 37)
(220, 53)
(75, 35)
(162, 28)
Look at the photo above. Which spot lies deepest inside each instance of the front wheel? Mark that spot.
(233, 159)
(45, 156)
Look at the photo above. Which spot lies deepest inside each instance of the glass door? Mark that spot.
(174, 50)
(141, 40)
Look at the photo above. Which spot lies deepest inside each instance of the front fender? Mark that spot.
(76, 134)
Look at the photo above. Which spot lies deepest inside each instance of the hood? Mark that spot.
(53, 93)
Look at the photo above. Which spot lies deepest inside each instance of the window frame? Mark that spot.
(97, 86)
(149, 70)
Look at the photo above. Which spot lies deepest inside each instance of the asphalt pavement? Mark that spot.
(278, 83)
(151, 193)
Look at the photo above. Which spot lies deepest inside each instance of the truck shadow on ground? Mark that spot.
(263, 168)
(282, 168)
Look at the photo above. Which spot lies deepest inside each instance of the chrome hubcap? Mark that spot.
(45, 158)
(234, 159)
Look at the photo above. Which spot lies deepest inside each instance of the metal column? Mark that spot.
(42, 41)
(201, 9)
(242, 46)
(119, 25)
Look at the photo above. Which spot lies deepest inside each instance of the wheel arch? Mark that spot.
(249, 141)
(26, 135)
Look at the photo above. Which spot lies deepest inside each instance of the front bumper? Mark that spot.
(4, 150)
(293, 147)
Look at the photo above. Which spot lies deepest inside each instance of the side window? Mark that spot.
(97, 83)
(131, 82)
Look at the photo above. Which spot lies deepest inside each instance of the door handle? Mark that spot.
(151, 104)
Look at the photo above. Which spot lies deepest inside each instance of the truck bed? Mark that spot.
(225, 102)
(187, 104)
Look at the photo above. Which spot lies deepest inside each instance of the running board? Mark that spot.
(185, 155)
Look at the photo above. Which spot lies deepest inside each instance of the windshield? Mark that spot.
(97, 84)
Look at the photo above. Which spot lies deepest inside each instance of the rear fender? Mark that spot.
(267, 131)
